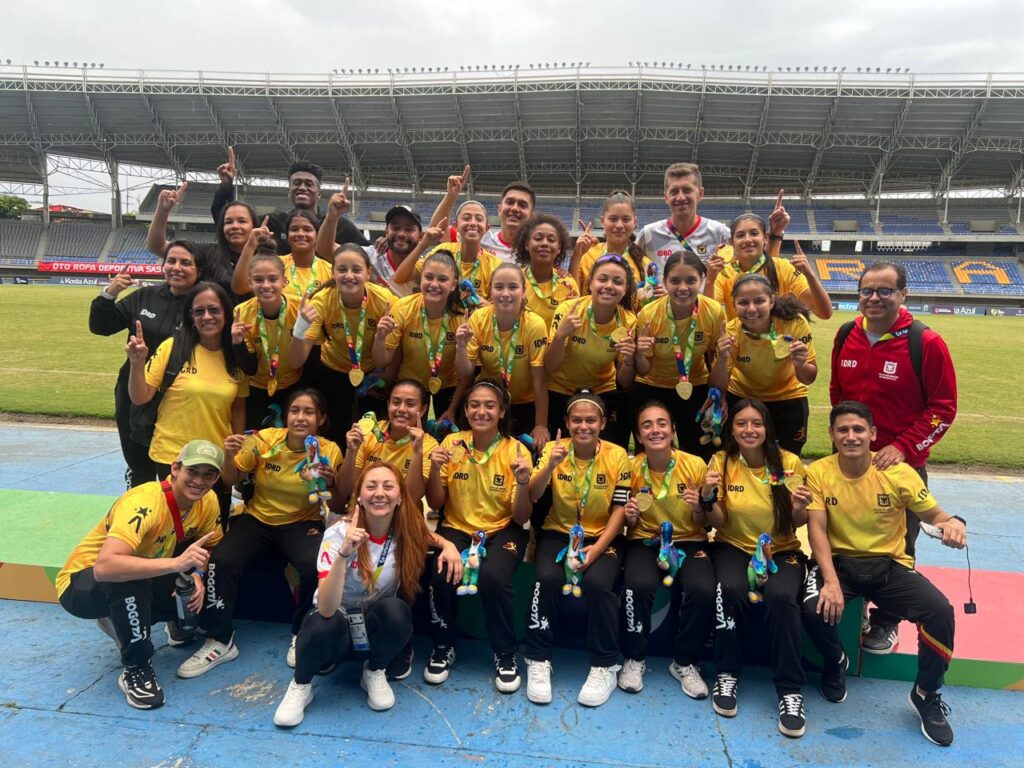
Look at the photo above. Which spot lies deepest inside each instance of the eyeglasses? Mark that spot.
(883, 293)
(198, 312)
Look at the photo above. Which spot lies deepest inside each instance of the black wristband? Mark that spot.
(775, 237)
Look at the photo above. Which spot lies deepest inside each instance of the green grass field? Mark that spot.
(55, 366)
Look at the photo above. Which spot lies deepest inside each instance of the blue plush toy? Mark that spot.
(761, 564)
(670, 557)
(472, 557)
(572, 551)
(468, 295)
(711, 418)
(309, 470)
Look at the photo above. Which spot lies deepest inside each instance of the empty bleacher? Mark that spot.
(909, 218)
(20, 239)
(129, 245)
(989, 277)
(78, 240)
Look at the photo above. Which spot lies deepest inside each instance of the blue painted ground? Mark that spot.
(59, 702)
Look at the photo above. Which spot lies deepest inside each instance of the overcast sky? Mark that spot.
(320, 35)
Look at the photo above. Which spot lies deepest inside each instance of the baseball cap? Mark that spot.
(199, 452)
(403, 210)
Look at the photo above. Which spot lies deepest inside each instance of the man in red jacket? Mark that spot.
(913, 404)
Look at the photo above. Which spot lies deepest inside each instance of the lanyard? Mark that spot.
(472, 270)
(434, 351)
(172, 505)
(770, 478)
(683, 360)
(470, 454)
(536, 286)
(666, 480)
(273, 357)
(771, 336)
(593, 325)
(293, 271)
(380, 560)
(735, 264)
(354, 339)
(505, 362)
(380, 434)
(682, 240)
(274, 449)
(582, 492)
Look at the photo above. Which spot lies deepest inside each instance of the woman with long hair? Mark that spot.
(278, 518)
(203, 389)
(771, 356)
(157, 308)
(505, 342)
(479, 477)
(369, 569)
(754, 490)
(539, 246)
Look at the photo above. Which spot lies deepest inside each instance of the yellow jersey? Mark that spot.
(480, 494)
(329, 329)
(639, 275)
(746, 498)
(545, 298)
(790, 282)
(477, 272)
(754, 369)
(198, 404)
(280, 495)
(373, 451)
(589, 353)
(302, 280)
(608, 474)
(278, 334)
(142, 520)
(866, 515)
(408, 334)
(531, 341)
(689, 472)
(710, 325)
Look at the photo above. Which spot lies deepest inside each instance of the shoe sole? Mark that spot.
(508, 687)
(672, 672)
(630, 690)
(537, 699)
(434, 679)
(229, 656)
(370, 704)
(299, 721)
(835, 701)
(724, 712)
(792, 734)
(879, 652)
(910, 698)
(593, 704)
(135, 704)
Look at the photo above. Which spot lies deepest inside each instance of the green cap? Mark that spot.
(199, 452)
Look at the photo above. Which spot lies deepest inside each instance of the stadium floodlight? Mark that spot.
(888, 70)
(687, 66)
(878, 69)
(36, 62)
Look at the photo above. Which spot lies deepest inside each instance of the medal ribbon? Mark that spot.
(770, 478)
(505, 363)
(684, 361)
(434, 351)
(293, 272)
(354, 340)
(487, 454)
(682, 240)
(593, 325)
(381, 435)
(666, 480)
(380, 560)
(536, 286)
(264, 328)
(735, 265)
(771, 336)
(582, 492)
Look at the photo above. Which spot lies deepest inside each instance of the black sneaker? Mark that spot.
(933, 711)
(506, 673)
(140, 687)
(176, 636)
(401, 666)
(881, 639)
(441, 660)
(792, 722)
(833, 681)
(723, 696)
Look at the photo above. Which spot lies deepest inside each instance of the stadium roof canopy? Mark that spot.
(567, 130)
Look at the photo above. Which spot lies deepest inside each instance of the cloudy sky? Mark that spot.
(320, 35)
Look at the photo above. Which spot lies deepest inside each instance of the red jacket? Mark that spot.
(909, 414)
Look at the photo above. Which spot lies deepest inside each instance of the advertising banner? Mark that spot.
(98, 268)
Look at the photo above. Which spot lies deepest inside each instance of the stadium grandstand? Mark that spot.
(924, 168)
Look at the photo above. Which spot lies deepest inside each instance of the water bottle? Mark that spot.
(184, 588)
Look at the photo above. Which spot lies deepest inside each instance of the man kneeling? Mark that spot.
(857, 527)
(122, 573)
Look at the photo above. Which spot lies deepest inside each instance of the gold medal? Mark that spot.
(644, 500)
(366, 426)
(619, 334)
(249, 444)
(434, 385)
(684, 389)
(792, 480)
(726, 253)
(272, 387)
(356, 376)
(458, 453)
(781, 348)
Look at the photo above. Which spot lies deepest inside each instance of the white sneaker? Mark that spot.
(293, 706)
(290, 656)
(631, 678)
(538, 681)
(690, 679)
(379, 695)
(599, 686)
(207, 657)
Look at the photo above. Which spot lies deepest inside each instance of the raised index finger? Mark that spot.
(465, 174)
(181, 189)
(778, 201)
(266, 220)
(344, 187)
(138, 330)
(231, 156)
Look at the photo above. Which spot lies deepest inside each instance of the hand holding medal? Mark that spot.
(458, 452)
(644, 499)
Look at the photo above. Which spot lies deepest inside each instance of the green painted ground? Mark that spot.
(64, 517)
(55, 366)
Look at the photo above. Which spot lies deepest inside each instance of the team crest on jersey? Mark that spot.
(890, 367)
(702, 250)
(883, 500)
(698, 338)
(602, 479)
(680, 488)
(511, 547)
(499, 481)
